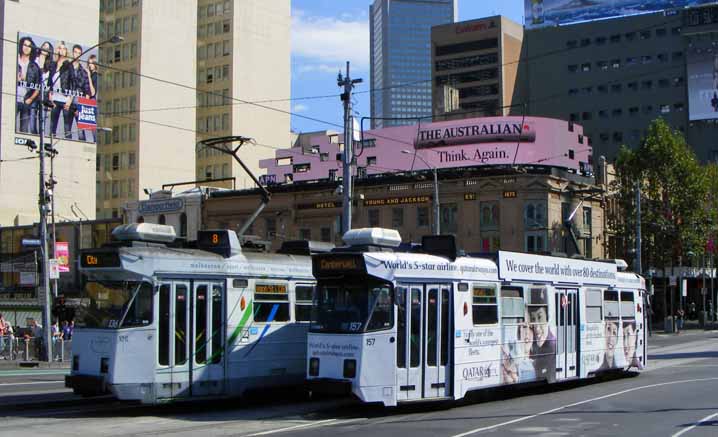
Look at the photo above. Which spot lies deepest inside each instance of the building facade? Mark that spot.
(147, 99)
(243, 55)
(615, 76)
(487, 209)
(19, 274)
(474, 68)
(183, 211)
(400, 55)
(33, 24)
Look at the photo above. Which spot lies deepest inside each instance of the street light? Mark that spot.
(46, 198)
(437, 212)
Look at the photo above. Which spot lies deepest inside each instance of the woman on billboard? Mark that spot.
(64, 83)
(28, 85)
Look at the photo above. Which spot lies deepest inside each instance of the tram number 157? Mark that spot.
(370, 341)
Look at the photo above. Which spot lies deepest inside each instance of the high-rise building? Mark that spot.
(243, 55)
(400, 54)
(147, 99)
(474, 68)
(28, 27)
(615, 76)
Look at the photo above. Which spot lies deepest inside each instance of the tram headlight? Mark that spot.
(104, 364)
(350, 368)
(314, 366)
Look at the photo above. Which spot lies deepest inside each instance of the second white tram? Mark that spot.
(393, 327)
(159, 324)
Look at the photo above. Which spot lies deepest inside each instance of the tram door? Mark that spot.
(172, 374)
(207, 342)
(424, 345)
(567, 334)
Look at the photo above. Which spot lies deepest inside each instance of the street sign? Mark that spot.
(30, 242)
(54, 268)
(19, 141)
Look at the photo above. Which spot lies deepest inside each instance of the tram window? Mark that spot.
(271, 303)
(415, 343)
(303, 304)
(444, 335)
(610, 303)
(217, 318)
(401, 328)
(200, 324)
(484, 306)
(432, 328)
(381, 314)
(163, 342)
(628, 306)
(512, 303)
(116, 304)
(594, 306)
(180, 324)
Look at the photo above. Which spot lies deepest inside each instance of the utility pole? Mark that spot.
(43, 203)
(639, 270)
(346, 97)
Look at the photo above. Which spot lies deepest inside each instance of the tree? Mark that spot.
(675, 195)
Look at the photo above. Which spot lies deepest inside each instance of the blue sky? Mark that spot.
(327, 33)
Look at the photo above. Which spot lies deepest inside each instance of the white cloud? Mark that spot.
(326, 43)
(300, 108)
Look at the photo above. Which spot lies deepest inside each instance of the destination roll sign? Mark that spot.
(337, 265)
(96, 260)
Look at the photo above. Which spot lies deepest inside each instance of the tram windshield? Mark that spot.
(115, 304)
(352, 308)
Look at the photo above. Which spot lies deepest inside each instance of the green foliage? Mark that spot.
(676, 195)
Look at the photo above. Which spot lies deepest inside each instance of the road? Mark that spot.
(676, 395)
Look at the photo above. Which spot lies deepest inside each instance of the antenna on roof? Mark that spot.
(225, 145)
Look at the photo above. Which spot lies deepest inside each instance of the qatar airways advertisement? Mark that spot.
(68, 77)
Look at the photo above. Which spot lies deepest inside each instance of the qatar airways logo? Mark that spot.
(476, 133)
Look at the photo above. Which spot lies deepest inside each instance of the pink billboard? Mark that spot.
(62, 253)
(486, 141)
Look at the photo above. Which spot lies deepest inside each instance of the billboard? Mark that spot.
(69, 83)
(539, 13)
(702, 83)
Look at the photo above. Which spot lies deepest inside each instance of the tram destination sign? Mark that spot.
(333, 265)
(521, 266)
(96, 260)
(160, 206)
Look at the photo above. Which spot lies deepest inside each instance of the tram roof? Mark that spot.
(194, 261)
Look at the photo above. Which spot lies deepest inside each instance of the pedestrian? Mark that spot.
(66, 331)
(3, 334)
(680, 314)
(37, 336)
(692, 311)
(56, 339)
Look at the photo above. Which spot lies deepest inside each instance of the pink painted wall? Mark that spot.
(477, 147)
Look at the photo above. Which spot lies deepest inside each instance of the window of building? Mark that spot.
(422, 216)
(587, 90)
(371, 160)
(630, 36)
(676, 31)
(633, 111)
(572, 44)
(586, 67)
(326, 234)
(374, 221)
(617, 137)
(305, 234)
(489, 218)
(484, 305)
(678, 107)
(645, 34)
(115, 189)
(646, 84)
(449, 218)
(535, 214)
(664, 83)
(678, 81)
(586, 116)
(115, 161)
(648, 109)
(677, 56)
(665, 109)
(573, 116)
(535, 242)
(633, 86)
(615, 39)
(573, 91)
(600, 40)
(603, 89)
(616, 64)
(616, 88)
(646, 59)
(585, 42)
(397, 218)
(602, 113)
(602, 65)
(573, 68)
(270, 226)
(183, 225)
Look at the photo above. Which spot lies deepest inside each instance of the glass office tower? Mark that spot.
(400, 34)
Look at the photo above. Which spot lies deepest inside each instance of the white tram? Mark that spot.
(394, 327)
(160, 323)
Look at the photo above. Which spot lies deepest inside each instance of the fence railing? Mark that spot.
(33, 349)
